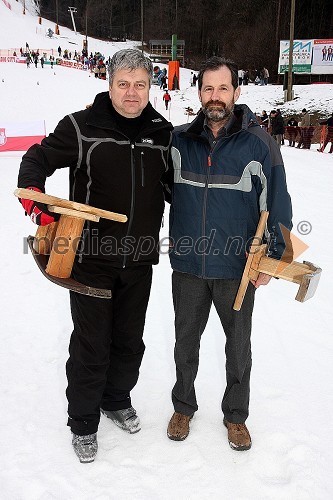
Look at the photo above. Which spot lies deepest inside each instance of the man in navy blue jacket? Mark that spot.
(226, 171)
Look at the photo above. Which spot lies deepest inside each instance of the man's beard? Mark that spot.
(217, 111)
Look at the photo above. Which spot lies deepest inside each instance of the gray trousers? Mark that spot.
(192, 298)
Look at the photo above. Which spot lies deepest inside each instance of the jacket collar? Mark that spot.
(242, 119)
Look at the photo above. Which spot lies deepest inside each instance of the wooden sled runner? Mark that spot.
(54, 246)
(305, 274)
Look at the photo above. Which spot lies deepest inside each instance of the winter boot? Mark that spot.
(331, 149)
(85, 447)
(238, 436)
(126, 419)
(179, 427)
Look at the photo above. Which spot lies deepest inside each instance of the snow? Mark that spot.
(291, 385)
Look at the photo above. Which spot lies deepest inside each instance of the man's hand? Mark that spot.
(263, 279)
(38, 212)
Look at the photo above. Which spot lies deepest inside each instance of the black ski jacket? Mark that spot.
(109, 171)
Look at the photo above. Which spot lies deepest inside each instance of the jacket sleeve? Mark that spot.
(279, 222)
(60, 149)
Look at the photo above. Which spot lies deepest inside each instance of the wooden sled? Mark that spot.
(54, 246)
(305, 274)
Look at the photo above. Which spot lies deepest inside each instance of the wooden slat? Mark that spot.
(73, 213)
(29, 194)
(293, 271)
(253, 250)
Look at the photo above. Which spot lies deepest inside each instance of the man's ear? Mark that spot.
(237, 94)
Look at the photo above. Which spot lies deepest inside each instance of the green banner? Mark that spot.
(297, 68)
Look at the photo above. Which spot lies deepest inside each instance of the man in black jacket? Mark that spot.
(117, 152)
(277, 126)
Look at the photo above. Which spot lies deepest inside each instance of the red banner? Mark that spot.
(20, 136)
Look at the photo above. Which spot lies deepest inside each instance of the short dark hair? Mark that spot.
(214, 63)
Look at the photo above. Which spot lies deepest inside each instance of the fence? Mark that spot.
(315, 132)
(10, 52)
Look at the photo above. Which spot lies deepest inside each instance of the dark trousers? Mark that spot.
(292, 136)
(306, 134)
(106, 346)
(193, 297)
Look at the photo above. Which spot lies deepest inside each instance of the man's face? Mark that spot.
(217, 94)
(129, 91)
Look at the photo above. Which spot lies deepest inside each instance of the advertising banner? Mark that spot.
(302, 56)
(20, 136)
(70, 64)
(322, 59)
(8, 59)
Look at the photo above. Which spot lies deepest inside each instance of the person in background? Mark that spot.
(96, 70)
(305, 130)
(163, 80)
(246, 77)
(175, 82)
(292, 129)
(264, 120)
(166, 99)
(226, 170)
(277, 126)
(117, 151)
(191, 79)
(240, 76)
(329, 135)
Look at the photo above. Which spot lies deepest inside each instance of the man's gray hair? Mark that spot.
(130, 59)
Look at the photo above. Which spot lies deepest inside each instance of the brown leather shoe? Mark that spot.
(179, 427)
(238, 436)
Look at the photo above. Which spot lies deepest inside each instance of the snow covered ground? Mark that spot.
(291, 391)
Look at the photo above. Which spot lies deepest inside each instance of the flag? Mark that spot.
(19, 136)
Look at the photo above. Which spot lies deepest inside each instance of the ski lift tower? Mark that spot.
(73, 10)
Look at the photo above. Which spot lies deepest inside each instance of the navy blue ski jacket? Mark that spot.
(219, 192)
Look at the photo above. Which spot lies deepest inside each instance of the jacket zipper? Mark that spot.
(130, 221)
(204, 211)
(142, 170)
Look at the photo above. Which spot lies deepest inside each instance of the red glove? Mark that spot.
(38, 212)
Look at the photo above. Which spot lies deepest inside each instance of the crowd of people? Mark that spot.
(96, 63)
(295, 129)
(258, 77)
